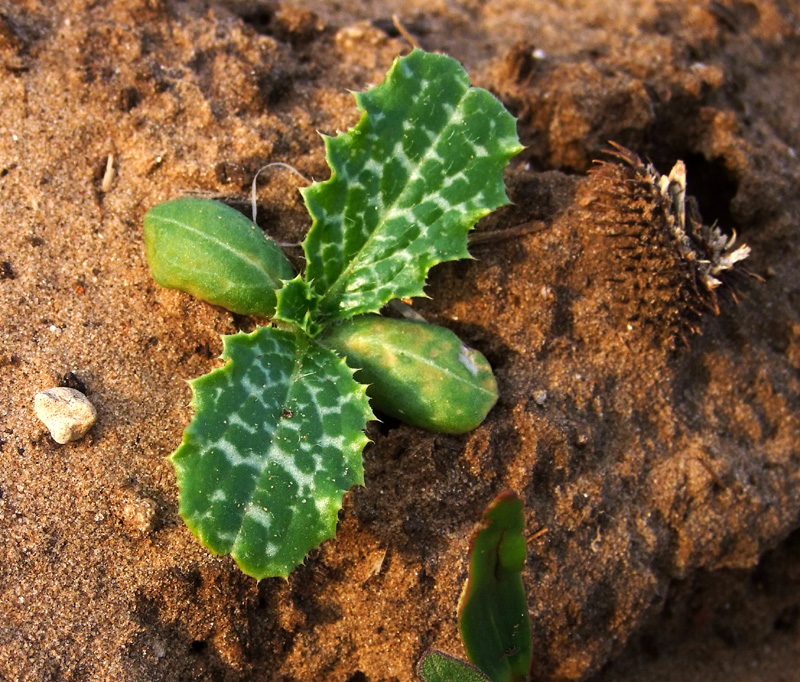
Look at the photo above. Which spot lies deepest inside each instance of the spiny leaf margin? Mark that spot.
(408, 182)
(275, 443)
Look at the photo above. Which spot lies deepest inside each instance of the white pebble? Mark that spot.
(67, 413)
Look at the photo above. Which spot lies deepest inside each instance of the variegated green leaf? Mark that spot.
(295, 303)
(408, 182)
(275, 442)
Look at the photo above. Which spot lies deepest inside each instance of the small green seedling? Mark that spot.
(493, 611)
(278, 431)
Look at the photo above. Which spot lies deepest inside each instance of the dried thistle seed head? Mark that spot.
(706, 246)
(669, 261)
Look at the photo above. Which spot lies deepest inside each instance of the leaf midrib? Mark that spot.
(300, 353)
(242, 255)
(447, 371)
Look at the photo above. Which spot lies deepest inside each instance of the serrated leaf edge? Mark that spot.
(331, 511)
(473, 216)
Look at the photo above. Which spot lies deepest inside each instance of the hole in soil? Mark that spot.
(384, 424)
(198, 646)
(386, 24)
(260, 19)
(707, 181)
(787, 619)
(358, 676)
(714, 189)
(71, 380)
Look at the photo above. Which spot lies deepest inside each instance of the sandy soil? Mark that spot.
(655, 446)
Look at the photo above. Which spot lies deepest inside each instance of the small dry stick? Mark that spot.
(404, 32)
(714, 475)
(539, 533)
(514, 232)
(108, 176)
(405, 310)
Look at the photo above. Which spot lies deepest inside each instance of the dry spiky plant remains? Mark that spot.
(671, 264)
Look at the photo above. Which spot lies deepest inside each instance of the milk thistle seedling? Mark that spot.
(278, 431)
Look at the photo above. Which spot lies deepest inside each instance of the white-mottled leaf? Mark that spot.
(408, 182)
(275, 443)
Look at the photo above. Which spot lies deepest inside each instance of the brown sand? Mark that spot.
(662, 477)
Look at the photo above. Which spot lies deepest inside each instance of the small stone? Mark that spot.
(67, 413)
(138, 515)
